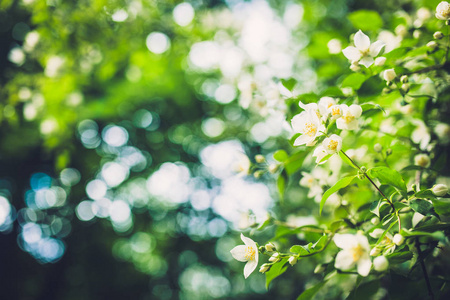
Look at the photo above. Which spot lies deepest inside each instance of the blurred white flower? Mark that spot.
(442, 131)
(422, 160)
(334, 46)
(246, 253)
(242, 164)
(380, 263)
(443, 11)
(380, 61)
(389, 75)
(364, 52)
(349, 118)
(332, 144)
(355, 251)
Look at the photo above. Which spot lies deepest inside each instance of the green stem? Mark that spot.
(424, 270)
(379, 191)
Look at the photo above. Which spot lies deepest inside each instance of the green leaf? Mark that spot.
(433, 227)
(442, 207)
(376, 205)
(275, 270)
(390, 177)
(399, 257)
(365, 290)
(423, 207)
(427, 193)
(354, 80)
(336, 187)
(437, 235)
(299, 249)
(289, 83)
(347, 160)
(283, 231)
(366, 20)
(317, 246)
(280, 155)
(311, 292)
(295, 162)
(369, 106)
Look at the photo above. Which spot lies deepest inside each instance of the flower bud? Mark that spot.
(354, 66)
(258, 174)
(442, 131)
(405, 87)
(375, 251)
(273, 168)
(432, 45)
(275, 257)
(377, 147)
(270, 247)
(363, 169)
(375, 221)
(404, 79)
(264, 268)
(398, 239)
(439, 190)
(380, 61)
(260, 158)
(319, 269)
(380, 263)
(417, 34)
(293, 260)
(389, 75)
(422, 160)
(388, 151)
(438, 35)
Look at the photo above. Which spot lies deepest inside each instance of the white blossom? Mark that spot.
(440, 190)
(422, 160)
(443, 11)
(246, 253)
(332, 144)
(308, 124)
(319, 153)
(355, 252)
(364, 51)
(349, 118)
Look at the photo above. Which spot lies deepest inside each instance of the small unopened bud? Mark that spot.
(377, 147)
(264, 268)
(260, 158)
(275, 257)
(375, 221)
(422, 160)
(388, 151)
(258, 174)
(438, 35)
(354, 66)
(405, 87)
(379, 61)
(380, 263)
(386, 90)
(273, 168)
(432, 45)
(319, 269)
(270, 247)
(375, 251)
(389, 75)
(398, 239)
(417, 34)
(404, 79)
(292, 260)
(439, 190)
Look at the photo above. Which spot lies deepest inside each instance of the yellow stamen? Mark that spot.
(310, 129)
(357, 252)
(250, 253)
(335, 111)
(348, 117)
(333, 145)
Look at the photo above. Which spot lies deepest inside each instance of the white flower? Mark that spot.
(325, 103)
(349, 118)
(246, 253)
(442, 131)
(422, 160)
(440, 190)
(242, 164)
(332, 144)
(398, 239)
(335, 111)
(443, 11)
(355, 251)
(293, 260)
(334, 46)
(308, 124)
(389, 75)
(380, 263)
(364, 52)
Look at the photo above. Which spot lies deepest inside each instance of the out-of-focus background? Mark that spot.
(124, 125)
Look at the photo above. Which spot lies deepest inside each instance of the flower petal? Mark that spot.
(364, 265)
(375, 48)
(345, 241)
(298, 122)
(250, 266)
(362, 41)
(302, 140)
(366, 61)
(344, 260)
(249, 242)
(351, 53)
(355, 110)
(239, 252)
